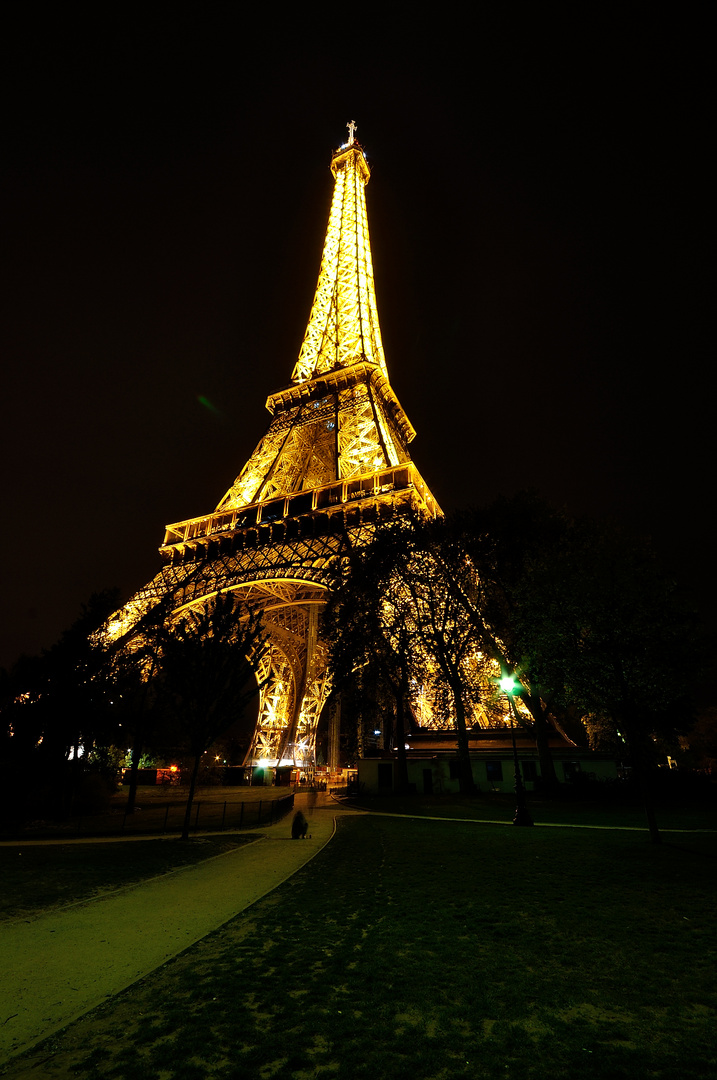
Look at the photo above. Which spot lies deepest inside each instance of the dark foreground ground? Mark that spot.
(433, 950)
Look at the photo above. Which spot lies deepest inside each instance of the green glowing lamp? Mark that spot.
(508, 685)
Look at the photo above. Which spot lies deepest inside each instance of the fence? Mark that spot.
(167, 818)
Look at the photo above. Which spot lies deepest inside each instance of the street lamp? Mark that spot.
(522, 815)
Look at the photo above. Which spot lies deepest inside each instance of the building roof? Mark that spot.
(492, 741)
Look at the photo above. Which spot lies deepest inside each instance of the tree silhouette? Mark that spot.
(55, 711)
(611, 633)
(208, 659)
(390, 612)
(484, 559)
(369, 625)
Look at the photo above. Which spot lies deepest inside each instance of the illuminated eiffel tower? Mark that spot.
(332, 465)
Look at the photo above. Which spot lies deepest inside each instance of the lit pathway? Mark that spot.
(59, 965)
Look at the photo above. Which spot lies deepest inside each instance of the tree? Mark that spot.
(609, 631)
(133, 669)
(446, 637)
(208, 659)
(456, 579)
(76, 698)
(58, 709)
(700, 742)
(580, 613)
(389, 611)
(369, 625)
(483, 558)
(24, 719)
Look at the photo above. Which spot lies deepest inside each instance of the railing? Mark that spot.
(373, 484)
(167, 818)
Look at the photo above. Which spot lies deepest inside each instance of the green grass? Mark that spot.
(149, 795)
(36, 877)
(433, 951)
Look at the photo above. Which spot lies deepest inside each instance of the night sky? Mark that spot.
(538, 216)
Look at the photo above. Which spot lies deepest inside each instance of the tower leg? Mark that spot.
(289, 737)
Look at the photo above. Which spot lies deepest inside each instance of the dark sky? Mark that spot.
(538, 216)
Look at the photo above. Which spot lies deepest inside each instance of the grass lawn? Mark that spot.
(433, 950)
(40, 876)
(150, 795)
(500, 806)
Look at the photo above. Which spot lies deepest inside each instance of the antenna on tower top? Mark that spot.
(352, 127)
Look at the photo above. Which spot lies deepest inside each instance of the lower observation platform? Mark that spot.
(383, 486)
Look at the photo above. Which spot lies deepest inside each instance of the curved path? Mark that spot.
(59, 965)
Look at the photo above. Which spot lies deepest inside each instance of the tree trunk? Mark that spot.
(134, 768)
(541, 730)
(401, 760)
(465, 770)
(190, 797)
(646, 795)
(384, 718)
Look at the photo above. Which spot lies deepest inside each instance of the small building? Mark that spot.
(432, 760)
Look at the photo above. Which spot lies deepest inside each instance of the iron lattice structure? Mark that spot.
(333, 464)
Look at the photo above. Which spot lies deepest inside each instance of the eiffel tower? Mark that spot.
(332, 465)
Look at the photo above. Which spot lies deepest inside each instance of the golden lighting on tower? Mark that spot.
(343, 325)
(331, 466)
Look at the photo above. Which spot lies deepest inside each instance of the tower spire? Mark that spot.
(343, 325)
(340, 418)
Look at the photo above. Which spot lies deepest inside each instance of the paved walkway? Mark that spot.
(58, 966)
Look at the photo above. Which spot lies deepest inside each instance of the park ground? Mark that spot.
(432, 949)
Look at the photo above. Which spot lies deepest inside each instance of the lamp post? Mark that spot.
(522, 815)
